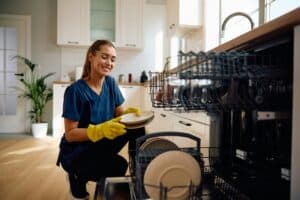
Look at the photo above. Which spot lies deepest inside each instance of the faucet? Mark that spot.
(233, 15)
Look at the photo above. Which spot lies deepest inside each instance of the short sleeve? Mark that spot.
(71, 110)
(119, 99)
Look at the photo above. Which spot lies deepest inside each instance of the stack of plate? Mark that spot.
(132, 121)
(176, 171)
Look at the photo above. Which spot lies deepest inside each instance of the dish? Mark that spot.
(158, 143)
(139, 125)
(171, 169)
(133, 119)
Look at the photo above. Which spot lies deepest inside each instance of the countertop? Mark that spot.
(120, 84)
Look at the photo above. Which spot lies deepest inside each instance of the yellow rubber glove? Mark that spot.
(109, 129)
(135, 110)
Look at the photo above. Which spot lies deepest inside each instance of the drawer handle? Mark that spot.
(185, 123)
(163, 115)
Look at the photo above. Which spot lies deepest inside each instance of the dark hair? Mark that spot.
(96, 46)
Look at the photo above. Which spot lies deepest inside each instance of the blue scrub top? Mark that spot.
(82, 104)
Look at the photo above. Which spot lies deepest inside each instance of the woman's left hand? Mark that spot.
(135, 110)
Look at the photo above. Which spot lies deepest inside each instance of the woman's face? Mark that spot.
(103, 61)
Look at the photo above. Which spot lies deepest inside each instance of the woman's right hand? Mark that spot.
(109, 129)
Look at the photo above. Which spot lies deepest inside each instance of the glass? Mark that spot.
(276, 8)
(103, 19)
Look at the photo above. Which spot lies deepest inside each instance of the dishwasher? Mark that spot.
(248, 96)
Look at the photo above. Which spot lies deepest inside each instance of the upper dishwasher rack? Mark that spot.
(227, 80)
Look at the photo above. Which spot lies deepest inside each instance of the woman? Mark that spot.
(93, 135)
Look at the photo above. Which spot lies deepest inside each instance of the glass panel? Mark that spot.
(1, 60)
(11, 64)
(10, 104)
(11, 82)
(2, 83)
(11, 38)
(1, 104)
(103, 19)
(238, 24)
(1, 38)
(276, 8)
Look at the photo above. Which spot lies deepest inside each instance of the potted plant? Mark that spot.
(34, 89)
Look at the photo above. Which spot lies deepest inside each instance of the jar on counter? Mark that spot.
(121, 78)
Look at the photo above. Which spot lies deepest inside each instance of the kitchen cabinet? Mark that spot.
(133, 95)
(80, 22)
(58, 126)
(184, 16)
(73, 22)
(129, 24)
(167, 121)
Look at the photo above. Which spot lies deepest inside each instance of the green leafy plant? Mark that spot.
(34, 88)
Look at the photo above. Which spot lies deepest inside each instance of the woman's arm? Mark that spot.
(73, 133)
(119, 111)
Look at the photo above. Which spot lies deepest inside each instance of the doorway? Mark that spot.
(15, 38)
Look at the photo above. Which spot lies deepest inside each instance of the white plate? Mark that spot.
(139, 125)
(132, 118)
(158, 143)
(172, 168)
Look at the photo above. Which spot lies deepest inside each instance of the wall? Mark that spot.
(63, 60)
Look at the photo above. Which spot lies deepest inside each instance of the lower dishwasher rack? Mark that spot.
(212, 186)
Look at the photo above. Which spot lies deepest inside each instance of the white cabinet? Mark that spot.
(58, 126)
(73, 22)
(80, 22)
(184, 15)
(129, 24)
(133, 95)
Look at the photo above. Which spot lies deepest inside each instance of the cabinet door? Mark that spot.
(132, 95)
(58, 98)
(129, 23)
(73, 22)
(183, 16)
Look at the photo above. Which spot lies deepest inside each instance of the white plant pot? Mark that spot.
(39, 130)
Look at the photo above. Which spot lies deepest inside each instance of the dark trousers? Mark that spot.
(102, 160)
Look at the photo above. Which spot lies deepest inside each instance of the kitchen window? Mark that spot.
(256, 12)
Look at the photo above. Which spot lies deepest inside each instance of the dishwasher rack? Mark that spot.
(212, 186)
(222, 81)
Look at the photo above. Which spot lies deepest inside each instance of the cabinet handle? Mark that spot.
(130, 45)
(127, 87)
(72, 42)
(163, 115)
(185, 123)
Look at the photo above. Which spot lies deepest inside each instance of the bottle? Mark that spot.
(129, 78)
(144, 77)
